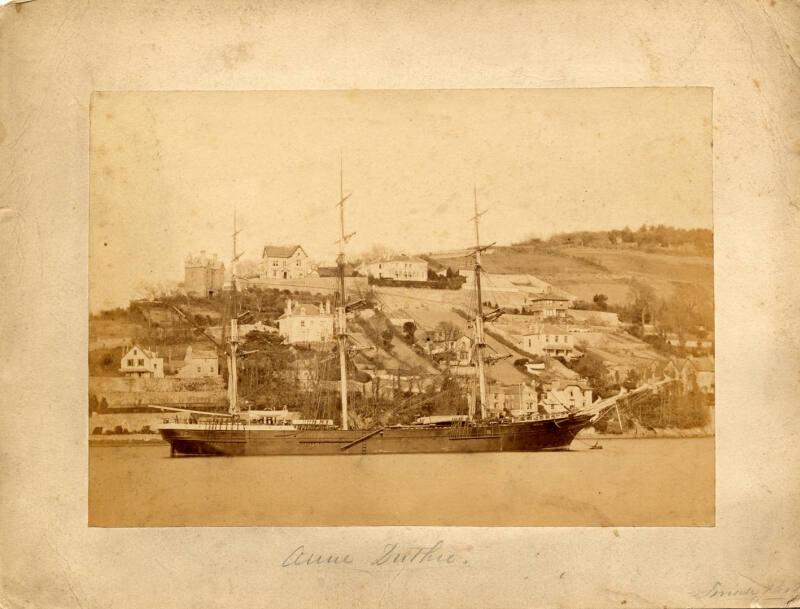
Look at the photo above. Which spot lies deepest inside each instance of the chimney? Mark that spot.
(328, 307)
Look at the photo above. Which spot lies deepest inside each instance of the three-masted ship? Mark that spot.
(252, 432)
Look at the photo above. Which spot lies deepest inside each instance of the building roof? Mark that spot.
(304, 309)
(400, 258)
(561, 384)
(281, 251)
(509, 389)
(547, 296)
(146, 352)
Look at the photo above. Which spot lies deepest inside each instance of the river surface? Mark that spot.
(630, 482)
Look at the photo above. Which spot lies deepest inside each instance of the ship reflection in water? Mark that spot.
(655, 482)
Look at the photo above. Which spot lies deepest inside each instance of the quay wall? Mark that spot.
(122, 392)
(128, 421)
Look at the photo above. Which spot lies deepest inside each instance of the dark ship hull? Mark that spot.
(233, 439)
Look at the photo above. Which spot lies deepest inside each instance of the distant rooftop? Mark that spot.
(281, 251)
(399, 258)
(547, 296)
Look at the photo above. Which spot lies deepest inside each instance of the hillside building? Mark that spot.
(452, 351)
(566, 395)
(549, 340)
(284, 262)
(547, 305)
(306, 323)
(518, 400)
(203, 275)
(139, 362)
(199, 364)
(399, 268)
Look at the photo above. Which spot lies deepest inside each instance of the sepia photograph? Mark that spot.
(483, 307)
(443, 305)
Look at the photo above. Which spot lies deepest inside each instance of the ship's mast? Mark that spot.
(479, 337)
(233, 339)
(341, 309)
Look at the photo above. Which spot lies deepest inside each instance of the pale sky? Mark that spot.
(167, 169)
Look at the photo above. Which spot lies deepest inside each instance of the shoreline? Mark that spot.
(114, 440)
(653, 433)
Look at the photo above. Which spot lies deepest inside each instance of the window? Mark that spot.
(130, 362)
(556, 339)
(302, 324)
(141, 362)
(198, 368)
(211, 368)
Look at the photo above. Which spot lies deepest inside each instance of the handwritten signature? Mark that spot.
(770, 592)
(392, 554)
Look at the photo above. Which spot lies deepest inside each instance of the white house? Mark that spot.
(142, 362)
(306, 323)
(566, 395)
(549, 340)
(399, 268)
(284, 262)
(199, 364)
(454, 351)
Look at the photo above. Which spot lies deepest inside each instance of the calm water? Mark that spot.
(630, 482)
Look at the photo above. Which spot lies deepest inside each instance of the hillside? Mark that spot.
(585, 271)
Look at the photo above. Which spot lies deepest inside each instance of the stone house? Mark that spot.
(203, 275)
(199, 364)
(518, 400)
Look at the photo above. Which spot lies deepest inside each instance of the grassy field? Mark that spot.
(675, 267)
(586, 271)
(522, 259)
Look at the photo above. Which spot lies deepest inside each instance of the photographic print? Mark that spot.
(389, 307)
